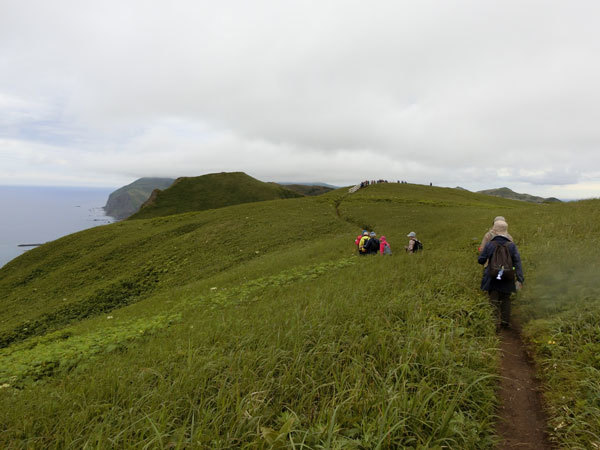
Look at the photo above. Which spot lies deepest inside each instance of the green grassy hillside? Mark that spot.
(256, 325)
(308, 189)
(127, 200)
(210, 191)
(505, 192)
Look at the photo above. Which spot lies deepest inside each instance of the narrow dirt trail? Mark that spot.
(522, 421)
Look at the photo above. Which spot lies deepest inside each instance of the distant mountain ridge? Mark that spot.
(215, 190)
(505, 192)
(127, 200)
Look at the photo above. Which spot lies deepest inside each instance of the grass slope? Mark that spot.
(127, 200)
(257, 326)
(210, 191)
(308, 189)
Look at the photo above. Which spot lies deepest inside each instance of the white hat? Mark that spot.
(500, 228)
(411, 234)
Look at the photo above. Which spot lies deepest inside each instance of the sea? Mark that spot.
(36, 215)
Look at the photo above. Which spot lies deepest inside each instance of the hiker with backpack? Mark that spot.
(414, 245)
(359, 237)
(384, 246)
(372, 245)
(503, 267)
(361, 243)
(491, 234)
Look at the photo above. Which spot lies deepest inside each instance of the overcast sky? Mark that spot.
(478, 94)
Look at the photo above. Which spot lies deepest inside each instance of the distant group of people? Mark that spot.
(503, 271)
(367, 243)
(370, 182)
(366, 183)
(502, 274)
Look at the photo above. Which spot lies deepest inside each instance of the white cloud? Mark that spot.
(464, 93)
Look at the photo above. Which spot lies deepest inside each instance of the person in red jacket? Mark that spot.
(384, 246)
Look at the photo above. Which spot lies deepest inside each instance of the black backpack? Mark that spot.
(417, 246)
(372, 246)
(501, 263)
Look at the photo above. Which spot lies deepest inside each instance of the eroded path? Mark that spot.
(522, 421)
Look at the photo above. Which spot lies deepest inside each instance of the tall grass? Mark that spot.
(263, 329)
(561, 311)
(302, 361)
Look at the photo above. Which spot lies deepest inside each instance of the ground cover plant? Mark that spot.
(258, 326)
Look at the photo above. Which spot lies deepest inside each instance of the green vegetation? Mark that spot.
(308, 189)
(505, 192)
(257, 326)
(210, 191)
(561, 311)
(127, 200)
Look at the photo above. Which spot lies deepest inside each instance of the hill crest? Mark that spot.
(505, 192)
(307, 189)
(211, 191)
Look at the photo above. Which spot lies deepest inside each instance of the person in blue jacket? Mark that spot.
(500, 290)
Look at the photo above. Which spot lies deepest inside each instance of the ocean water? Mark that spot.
(35, 215)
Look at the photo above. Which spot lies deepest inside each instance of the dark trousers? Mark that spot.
(501, 303)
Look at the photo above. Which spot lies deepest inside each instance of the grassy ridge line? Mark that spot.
(211, 191)
(62, 350)
(428, 195)
(388, 354)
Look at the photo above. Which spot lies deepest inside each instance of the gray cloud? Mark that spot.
(468, 93)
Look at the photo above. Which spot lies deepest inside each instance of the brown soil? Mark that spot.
(522, 422)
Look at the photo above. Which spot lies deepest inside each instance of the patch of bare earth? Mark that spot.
(522, 421)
